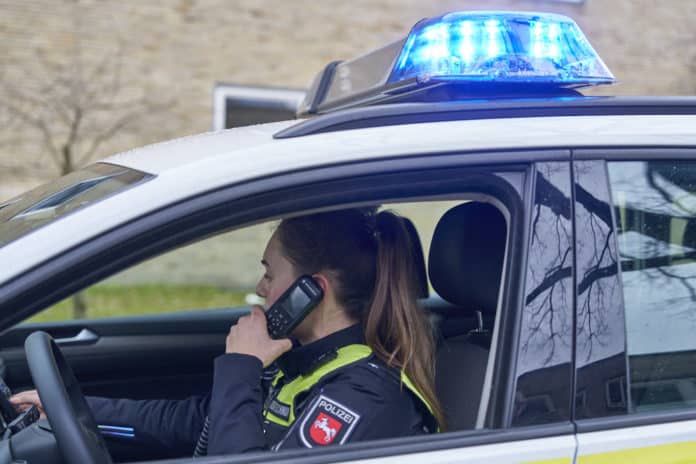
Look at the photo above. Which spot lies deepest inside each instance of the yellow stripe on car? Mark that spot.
(673, 453)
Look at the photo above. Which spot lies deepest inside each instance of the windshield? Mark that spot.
(58, 198)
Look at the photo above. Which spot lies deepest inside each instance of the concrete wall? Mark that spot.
(172, 52)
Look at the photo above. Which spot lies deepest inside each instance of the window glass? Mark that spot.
(656, 218)
(51, 201)
(218, 272)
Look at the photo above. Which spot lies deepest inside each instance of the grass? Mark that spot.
(131, 300)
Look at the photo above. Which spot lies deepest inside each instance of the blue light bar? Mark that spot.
(502, 47)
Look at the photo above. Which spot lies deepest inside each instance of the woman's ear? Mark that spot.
(323, 282)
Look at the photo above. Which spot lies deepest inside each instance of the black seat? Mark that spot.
(465, 269)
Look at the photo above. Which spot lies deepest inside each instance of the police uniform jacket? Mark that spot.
(331, 391)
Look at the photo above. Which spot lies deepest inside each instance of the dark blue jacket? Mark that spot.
(364, 400)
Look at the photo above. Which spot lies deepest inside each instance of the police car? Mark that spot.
(560, 237)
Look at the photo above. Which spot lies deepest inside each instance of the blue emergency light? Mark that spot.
(500, 47)
(465, 55)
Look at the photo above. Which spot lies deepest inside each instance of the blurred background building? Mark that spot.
(80, 80)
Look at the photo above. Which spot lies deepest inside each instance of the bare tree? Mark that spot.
(72, 107)
(75, 107)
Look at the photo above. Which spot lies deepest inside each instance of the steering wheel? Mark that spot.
(75, 429)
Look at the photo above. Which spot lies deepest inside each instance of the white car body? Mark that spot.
(196, 164)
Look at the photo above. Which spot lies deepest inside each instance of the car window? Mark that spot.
(218, 272)
(655, 205)
(51, 201)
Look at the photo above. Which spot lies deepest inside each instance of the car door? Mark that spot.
(146, 356)
(514, 420)
(527, 392)
(635, 393)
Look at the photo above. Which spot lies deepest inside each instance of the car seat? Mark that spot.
(465, 268)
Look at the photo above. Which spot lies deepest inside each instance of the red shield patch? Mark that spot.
(327, 422)
(324, 429)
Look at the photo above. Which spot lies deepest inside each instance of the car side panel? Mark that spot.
(664, 443)
(551, 450)
(154, 356)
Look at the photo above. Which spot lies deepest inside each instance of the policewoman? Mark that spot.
(358, 367)
(361, 367)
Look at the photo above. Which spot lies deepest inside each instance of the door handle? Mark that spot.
(84, 337)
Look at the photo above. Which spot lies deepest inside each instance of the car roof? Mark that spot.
(193, 165)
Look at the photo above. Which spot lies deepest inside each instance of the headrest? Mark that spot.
(466, 256)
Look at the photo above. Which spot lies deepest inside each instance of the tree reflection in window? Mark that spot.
(600, 340)
(544, 359)
(656, 213)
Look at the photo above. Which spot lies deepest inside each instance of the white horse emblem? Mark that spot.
(323, 425)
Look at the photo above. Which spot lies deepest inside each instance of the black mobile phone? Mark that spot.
(293, 306)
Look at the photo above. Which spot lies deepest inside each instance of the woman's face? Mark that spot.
(279, 273)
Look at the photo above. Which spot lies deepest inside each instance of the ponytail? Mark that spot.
(368, 257)
(396, 329)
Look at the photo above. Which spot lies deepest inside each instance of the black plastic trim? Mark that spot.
(528, 201)
(499, 411)
(412, 113)
(574, 297)
(395, 446)
(560, 182)
(620, 282)
(637, 153)
(437, 91)
(634, 420)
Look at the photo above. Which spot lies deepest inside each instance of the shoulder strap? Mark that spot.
(285, 399)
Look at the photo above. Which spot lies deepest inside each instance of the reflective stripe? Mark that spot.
(677, 453)
(344, 356)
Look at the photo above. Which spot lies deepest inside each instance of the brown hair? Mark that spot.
(368, 258)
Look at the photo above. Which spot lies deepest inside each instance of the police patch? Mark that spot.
(327, 422)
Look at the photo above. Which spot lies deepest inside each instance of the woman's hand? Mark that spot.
(250, 336)
(27, 399)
